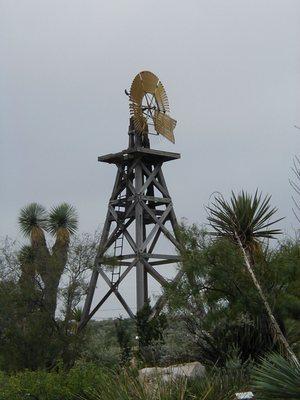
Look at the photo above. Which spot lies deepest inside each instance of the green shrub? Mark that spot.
(55, 385)
(41, 385)
(277, 378)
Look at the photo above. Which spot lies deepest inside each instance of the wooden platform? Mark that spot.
(143, 152)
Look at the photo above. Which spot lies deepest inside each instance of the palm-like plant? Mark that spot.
(61, 223)
(33, 221)
(245, 220)
(277, 378)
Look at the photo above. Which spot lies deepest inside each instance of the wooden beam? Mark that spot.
(161, 256)
(149, 179)
(117, 294)
(156, 275)
(155, 182)
(156, 226)
(162, 300)
(160, 221)
(162, 200)
(83, 322)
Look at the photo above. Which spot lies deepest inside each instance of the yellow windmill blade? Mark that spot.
(161, 98)
(149, 81)
(149, 104)
(136, 91)
(164, 125)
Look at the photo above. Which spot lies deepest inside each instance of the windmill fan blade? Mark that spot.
(149, 81)
(136, 90)
(161, 98)
(164, 125)
(140, 122)
(148, 104)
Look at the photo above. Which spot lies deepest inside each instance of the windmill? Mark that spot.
(140, 210)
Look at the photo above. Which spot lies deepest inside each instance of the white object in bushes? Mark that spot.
(244, 396)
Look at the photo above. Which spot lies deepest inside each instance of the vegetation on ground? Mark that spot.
(236, 310)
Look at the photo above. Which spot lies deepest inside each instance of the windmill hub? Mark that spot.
(140, 210)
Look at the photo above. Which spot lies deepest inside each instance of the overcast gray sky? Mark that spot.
(231, 71)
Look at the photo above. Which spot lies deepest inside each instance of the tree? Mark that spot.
(81, 255)
(61, 223)
(149, 331)
(245, 221)
(124, 338)
(30, 336)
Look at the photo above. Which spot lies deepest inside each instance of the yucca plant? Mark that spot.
(246, 221)
(277, 378)
(33, 221)
(28, 270)
(61, 223)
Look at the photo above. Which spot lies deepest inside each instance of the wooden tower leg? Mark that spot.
(141, 282)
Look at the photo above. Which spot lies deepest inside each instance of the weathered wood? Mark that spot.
(116, 292)
(132, 207)
(139, 232)
(166, 261)
(153, 199)
(162, 256)
(150, 179)
(84, 321)
(156, 275)
(162, 300)
(159, 223)
(155, 182)
(130, 154)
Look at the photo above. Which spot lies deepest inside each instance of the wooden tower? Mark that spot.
(139, 209)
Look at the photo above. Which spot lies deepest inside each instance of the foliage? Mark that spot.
(63, 216)
(73, 285)
(54, 385)
(149, 332)
(244, 216)
(9, 260)
(277, 378)
(30, 336)
(101, 346)
(218, 302)
(215, 385)
(33, 219)
(124, 337)
(246, 221)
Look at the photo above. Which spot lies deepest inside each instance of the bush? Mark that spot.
(277, 378)
(55, 385)
(89, 382)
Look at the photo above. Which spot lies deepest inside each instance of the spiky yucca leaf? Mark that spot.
(277, 378)
(33, 220)
(26, 255)
(62, 220)
(77, 314)
(244, 215)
